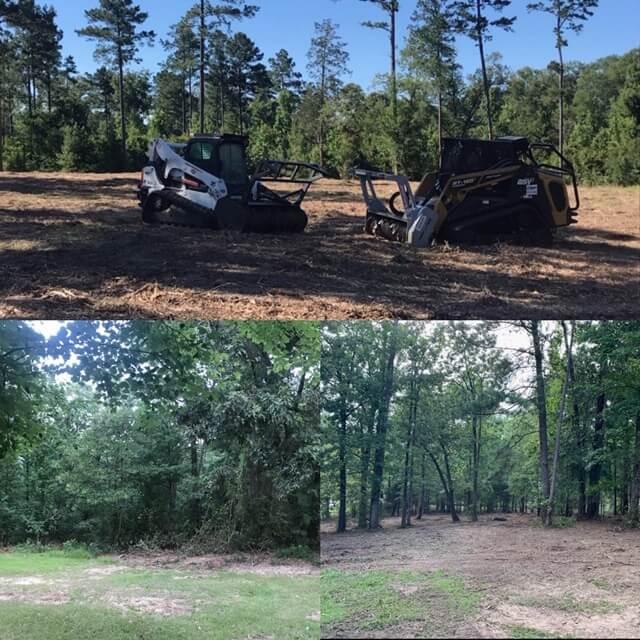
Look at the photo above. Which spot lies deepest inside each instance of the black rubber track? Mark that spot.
(228, 215)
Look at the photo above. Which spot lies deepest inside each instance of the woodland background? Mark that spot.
(52, 117)
(481, 417)
(160, 435)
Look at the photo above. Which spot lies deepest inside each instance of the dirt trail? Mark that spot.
(581, 581)
(261, 564)
(73, 246)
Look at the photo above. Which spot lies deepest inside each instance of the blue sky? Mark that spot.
(289, 24)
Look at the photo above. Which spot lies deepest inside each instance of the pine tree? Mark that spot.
(470, 19)
(210, 16)
(113, 25)
(568, 15)
(391, 8)
(328, 60)
(430, 49)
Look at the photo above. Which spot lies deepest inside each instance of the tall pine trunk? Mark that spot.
(202, 74)
(394, 84)
(561, 91)
(123, 120)
(485, 78)
(381, 431)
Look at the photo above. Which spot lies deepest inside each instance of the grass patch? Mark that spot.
(569, 604)
(601, 583)
(376, 599)
(16, 563)
(212, 605)
(528, 632)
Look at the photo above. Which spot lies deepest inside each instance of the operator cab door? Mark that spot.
(224, 159)
(233, 167)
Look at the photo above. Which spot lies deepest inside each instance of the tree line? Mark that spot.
(216, 79)
(472, 417)
(161, 434)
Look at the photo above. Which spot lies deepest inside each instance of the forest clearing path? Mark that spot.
(580, 581)
(157, 596)
(74, 246)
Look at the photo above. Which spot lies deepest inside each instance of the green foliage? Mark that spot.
(66, 120)
(209, 435)
(475, 421)
(78, 151)
(521, 632)
(570, 604)
(296, 552)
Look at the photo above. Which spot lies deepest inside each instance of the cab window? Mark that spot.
(201, 151)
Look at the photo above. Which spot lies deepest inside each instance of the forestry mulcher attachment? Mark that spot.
(483, 191)
(206, 183)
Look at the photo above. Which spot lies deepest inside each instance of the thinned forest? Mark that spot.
(135, 455)
(480, 478)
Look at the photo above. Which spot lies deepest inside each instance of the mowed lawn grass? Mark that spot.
(52, 596)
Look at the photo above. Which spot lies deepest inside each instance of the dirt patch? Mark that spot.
(162, 606)
(105, 571)
(26, 581)
(73, 246)
(582, 581)
(261, 564)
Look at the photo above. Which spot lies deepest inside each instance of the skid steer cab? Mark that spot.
(484, 190)
(206, 183)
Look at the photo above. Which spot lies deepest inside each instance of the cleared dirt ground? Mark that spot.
(74, 246)
(581, 581)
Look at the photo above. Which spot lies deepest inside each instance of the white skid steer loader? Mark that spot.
(206, 183)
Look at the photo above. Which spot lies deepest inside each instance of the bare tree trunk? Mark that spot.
(342, 461)
(556, 450)
(195, 474)
(440, 130)
(561, 91)
(202, 62)
(541, 398)
(321, 114)
(123, 119)
(593, 506)
(365, 456)
(394, 83)
(634, 506)
(475, 425)
(485, 78)
(407, 492)
(423, 487)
